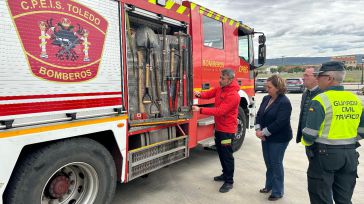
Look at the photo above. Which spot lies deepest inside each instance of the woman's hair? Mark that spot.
(279, 83)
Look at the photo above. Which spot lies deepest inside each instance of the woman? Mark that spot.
(273, 127)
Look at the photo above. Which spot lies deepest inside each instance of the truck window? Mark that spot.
(213, 33)
(244, 48)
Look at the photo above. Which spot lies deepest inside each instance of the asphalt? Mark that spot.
(191, 180)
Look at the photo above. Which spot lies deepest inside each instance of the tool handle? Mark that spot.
(140, 81)
(172, 62)
(147, 68)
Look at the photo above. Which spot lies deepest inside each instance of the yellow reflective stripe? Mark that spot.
(217, 17)
(202, 10)
(12, 133)
(169, 4)
(43, 37)
(227, 141)
(224, 19)
(210, 14)
(200, 89)
(152, 1)
(181, 9)
(237, 24)
(246, 87)
(193, 6)
(231, 22)
(303, 141)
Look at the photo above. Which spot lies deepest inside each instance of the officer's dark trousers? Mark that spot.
(225, 152)
(332, 175)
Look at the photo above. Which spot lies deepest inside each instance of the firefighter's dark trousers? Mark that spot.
(332, 174)
(224, 148)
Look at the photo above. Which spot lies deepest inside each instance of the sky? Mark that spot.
(300, 28)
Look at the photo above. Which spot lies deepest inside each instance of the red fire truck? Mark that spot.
(95, 92)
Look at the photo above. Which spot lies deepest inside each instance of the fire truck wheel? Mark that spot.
(72, 171)
(240, 132)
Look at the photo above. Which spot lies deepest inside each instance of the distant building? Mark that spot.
(270, 68)
(348, 60)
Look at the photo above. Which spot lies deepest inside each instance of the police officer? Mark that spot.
(334, 125)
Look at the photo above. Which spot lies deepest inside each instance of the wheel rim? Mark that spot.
(73, 183)
(239, 130)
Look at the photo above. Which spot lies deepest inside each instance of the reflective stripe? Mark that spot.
(181, 9)
(169, 4)
(193, 6)
(303, 141)
(360, 130)
(210, 13)
(237, 24)
(328, 115)
(231, 22)
(217, 17)
(336, 142)
(227, 141)
(224, 19)
(202, 10)
(257, 126)
(310, 131)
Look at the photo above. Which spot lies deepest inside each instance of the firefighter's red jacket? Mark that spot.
(225, 111)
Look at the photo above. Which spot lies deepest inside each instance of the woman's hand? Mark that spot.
(260, 135)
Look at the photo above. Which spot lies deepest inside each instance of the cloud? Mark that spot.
(300, 27)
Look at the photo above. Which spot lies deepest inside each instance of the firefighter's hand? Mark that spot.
(196, 108)
(197, 94)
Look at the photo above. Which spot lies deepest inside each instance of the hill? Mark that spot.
(303, 60)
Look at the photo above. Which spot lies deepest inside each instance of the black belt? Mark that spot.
(348, 146)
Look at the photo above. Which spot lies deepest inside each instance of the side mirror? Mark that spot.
(261, 39)
(261, 53)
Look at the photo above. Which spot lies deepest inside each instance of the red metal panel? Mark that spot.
(56, 95)
(38, 107)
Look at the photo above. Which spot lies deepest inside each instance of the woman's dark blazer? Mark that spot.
(276, 118)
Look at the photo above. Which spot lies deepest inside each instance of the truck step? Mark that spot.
(208, 142)
(206, 121)
(155, 156)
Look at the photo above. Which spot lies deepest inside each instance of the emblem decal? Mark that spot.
(63, 40)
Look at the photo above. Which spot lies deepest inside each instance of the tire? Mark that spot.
(241, 130)
(71, 171)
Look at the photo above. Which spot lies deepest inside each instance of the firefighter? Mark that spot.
(225, 114)
(334, 125)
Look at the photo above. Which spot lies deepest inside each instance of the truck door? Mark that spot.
(213, 53)
(246, 57)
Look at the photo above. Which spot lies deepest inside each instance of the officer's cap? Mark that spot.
(330, 66)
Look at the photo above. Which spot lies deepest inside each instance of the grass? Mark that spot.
(351, 76)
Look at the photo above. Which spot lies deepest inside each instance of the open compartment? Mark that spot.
(159, 70)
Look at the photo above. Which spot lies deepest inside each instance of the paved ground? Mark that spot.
(190, 181)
